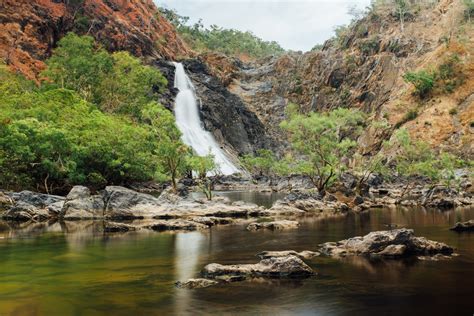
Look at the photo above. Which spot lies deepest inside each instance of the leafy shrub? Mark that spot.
(422, 80)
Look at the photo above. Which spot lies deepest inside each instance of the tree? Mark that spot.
(171, 152)
(402, 9)
(203, 166)
(260, 164)
(129, 85)
(322, 142)
(79, 65)
(422, 80)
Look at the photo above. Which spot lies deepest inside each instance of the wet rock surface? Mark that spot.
(80, 204)
(464, 226)
(396, 243)
(196, 283)
(288, 266)
(273, 225)
(305, 254)
(177, 224)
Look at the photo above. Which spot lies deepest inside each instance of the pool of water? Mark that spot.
(74, 269)
(265, 199)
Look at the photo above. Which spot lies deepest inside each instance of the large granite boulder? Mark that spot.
(123, 203)
(29, 205)
(80, 204)
(305, 254)
(395, 243)
(275, 267)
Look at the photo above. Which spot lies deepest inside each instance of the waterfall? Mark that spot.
(189, 123)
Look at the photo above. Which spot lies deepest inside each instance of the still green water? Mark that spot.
(74, 269)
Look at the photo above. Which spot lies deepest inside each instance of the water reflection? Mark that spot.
(63, 268)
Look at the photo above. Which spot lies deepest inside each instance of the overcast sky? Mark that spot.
(295, 24)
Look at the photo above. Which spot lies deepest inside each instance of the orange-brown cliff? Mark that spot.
(30, 29)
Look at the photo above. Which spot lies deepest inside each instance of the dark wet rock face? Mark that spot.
(464, 226)
(396, 243)
(224, 113)
(278, 267)
(29, 205)
(111, 227)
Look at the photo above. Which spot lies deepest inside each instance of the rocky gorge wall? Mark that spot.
(363, 69)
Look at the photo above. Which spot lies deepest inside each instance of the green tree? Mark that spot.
(171, 152)
(260, 164)
(78, 64)
(129, 85)
(203, 166)
(322, 142)
(422, 80)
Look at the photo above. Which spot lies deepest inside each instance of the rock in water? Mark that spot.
(464, 226)
(176, 224)
(279, 267)
(306, 254)
(195, 283)
(283, 224)
(388, 244)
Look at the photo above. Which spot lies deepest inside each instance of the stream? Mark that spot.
(73, 268)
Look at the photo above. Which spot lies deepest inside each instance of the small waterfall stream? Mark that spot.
(189, 123)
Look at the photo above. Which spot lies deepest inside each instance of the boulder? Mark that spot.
(123, 203)
(395, 243)
(305, 254)
(176, 224)
(464, 226)
(5, 201)
(36, 199)
(80, 204)
(195, 283)
(23, 211)
(283, 224)
(275, 267)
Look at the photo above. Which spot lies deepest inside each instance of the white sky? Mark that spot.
(295, 24)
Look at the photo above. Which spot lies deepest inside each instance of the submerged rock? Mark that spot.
(195, 283)
(213, 220)
(112, 227)
(275, 267)
(306, 254)
(176, 224)
(283, 224)
(464, 226)
(389, 244)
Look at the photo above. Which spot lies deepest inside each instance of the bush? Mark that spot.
(422, 80)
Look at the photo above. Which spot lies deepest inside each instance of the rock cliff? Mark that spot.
(30, 29)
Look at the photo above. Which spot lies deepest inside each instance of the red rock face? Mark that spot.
(29, 29)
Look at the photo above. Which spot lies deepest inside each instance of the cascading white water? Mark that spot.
(189, 123)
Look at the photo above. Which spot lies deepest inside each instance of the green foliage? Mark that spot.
(260, 164)
(170, 151)
(129, 86)
(450, 74)
(203, 166)
(218, 39)
(52, 139)
(118, 82)
(78, 65)
(416, 158)
(469, 11)
(422, 80)
(369, 46)
(317, 47)
(322, 141)
(55, 135)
